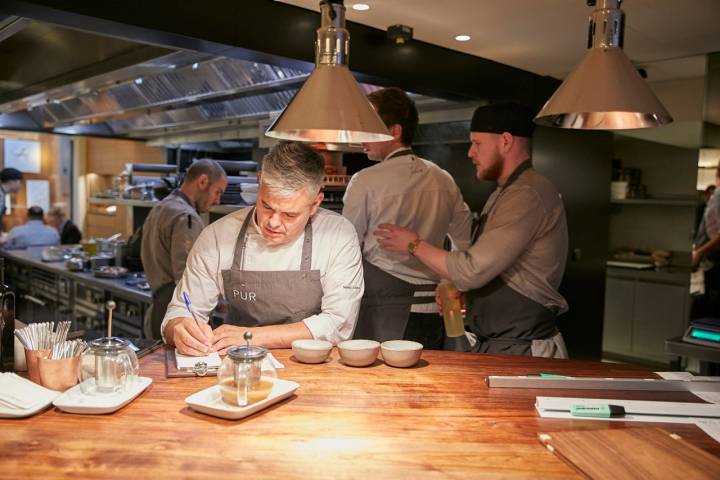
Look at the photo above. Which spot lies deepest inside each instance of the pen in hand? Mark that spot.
(189, 307)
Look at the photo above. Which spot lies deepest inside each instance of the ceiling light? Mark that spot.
(463, 38)
(195, 66)
(361, 7)
(330, 106)
(138, 81)
(604, 91)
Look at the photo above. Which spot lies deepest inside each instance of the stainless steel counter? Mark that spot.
(48, 291)
(673, 275)
(31, 257)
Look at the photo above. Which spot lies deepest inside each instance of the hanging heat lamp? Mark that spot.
(330, 106)
(605, 91)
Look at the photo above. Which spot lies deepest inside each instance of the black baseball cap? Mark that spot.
(498, 118)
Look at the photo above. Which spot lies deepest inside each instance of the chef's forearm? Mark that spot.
(280, 336)
(709, 247)
(433, 257)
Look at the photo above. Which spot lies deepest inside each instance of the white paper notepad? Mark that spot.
(213, 360)
(185, 361)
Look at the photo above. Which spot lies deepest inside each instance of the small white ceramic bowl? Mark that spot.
(311, 351)
(401, 353)
(358, 353)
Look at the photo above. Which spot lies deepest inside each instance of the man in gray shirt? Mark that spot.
(170, 230)
(512, 272)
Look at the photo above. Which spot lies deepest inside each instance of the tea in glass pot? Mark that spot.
(244, 377)
(108, 367)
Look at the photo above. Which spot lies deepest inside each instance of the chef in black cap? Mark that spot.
(10, 182)
(511, 273)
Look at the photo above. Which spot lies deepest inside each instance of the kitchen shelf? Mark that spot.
(670, 202)
(222, 209)
(122, 201)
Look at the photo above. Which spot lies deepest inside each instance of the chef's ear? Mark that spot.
(506, 141)
(396, 131)
(316, 203)
(203, 181)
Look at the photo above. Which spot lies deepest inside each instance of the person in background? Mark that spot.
(706, 257)
(289, 269)
(69, 232)
(700, 209)
(402, 188)
(34, 233)
(170, 230)
(512, 272)
(10, 182)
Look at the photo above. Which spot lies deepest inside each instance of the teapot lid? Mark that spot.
(108, 344)
(247, 353)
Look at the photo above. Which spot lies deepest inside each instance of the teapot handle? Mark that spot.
(129, 366)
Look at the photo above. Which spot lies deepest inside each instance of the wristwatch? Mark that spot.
(412, 246)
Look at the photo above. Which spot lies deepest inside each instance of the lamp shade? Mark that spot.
(330, 107)
(605, 92)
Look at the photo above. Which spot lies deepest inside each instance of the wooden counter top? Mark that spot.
(437, 420)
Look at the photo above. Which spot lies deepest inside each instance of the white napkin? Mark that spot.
(17, 393)
(273, 361)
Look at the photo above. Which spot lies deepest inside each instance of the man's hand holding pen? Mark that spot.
(191, 337)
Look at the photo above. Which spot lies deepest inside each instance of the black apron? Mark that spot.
(259, 298)
(386, 302)
(506, 321)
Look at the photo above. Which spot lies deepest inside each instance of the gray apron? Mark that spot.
(385, 306)
(259, 298)
(506, 321)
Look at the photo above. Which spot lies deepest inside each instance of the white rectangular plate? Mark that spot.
(208, 401)
(75, 401)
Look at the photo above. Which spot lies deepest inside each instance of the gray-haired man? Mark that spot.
(170, 230)
(288, 268)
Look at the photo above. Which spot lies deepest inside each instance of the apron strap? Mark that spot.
(527, 164)
(239, 251)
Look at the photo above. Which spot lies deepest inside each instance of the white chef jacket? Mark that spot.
(335, 252)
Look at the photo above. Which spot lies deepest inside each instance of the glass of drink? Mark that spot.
(452, 316)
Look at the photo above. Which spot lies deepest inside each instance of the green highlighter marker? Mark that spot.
(597, 410)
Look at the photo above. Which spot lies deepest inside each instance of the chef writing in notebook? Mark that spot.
(288, 268)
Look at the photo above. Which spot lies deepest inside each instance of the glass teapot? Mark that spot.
(108, 367)
(246, 374)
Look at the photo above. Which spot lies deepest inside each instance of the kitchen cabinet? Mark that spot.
(642, 310)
